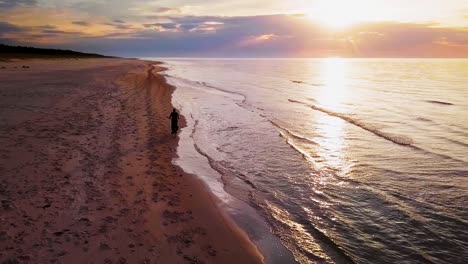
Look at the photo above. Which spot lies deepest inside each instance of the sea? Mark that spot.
(332, 160)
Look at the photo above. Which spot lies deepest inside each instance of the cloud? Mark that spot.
(118, 10)
(81, 23)
(258, 40)
(245, 36)
(206, 27)
(167, 10)
(163, 27)
(5, 4)
(289, 35)
(409, 39)
(120, 25)
(46, 27)
(60, 32)
(6, 27)
(187, 24)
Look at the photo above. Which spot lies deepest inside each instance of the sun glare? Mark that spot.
(335, 86)
(335, 14)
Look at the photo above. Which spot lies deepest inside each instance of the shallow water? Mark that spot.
(348, 160)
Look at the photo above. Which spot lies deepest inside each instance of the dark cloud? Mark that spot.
(195, 20)
(14, 3)
(167, 10)
(6, 27)
(275, 35)
(59, 32)
(293, 35)
(46, 27)
(81, 23)
(188, 23)
(266, 36)
(120, 26)
(168, 26)
(8, 41)
(121, 11)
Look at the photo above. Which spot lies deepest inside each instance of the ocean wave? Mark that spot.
(322, 171)
(302, 82)
(460, 143)
(305, 155)
(420, 118)
(438, 102)
(292, 134)
(192, 83)
(440, 155)
(397, 139)
(223, 90)
(218, 166)
(302, 236)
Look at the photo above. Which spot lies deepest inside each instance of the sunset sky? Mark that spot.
(242, 28)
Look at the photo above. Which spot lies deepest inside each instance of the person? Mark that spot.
(174, 116)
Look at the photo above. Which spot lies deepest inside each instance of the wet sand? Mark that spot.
(86, 173)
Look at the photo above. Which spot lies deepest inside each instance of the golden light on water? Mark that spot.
(331, 96)
(333, 71)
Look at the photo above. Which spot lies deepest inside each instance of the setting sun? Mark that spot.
(339, 14)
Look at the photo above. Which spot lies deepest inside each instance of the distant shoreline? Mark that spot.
(22, 52)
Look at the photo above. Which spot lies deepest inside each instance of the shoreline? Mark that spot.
(193, 160)
(86, 172)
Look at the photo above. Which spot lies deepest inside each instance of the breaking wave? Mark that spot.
(397, 139)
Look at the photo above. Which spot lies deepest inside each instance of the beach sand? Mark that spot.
(86, 173)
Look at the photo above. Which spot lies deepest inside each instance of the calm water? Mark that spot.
(357, 160)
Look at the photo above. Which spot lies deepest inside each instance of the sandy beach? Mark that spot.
(86, 173)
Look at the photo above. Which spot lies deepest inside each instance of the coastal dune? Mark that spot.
(86, 173)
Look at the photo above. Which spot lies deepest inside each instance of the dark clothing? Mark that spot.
(174, 116)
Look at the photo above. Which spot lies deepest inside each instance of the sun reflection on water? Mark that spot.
(333, 71)
(331, 96)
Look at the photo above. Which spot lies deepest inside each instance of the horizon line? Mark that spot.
(300, 58)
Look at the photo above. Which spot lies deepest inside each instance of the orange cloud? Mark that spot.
(256, 40)
(272, 36)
